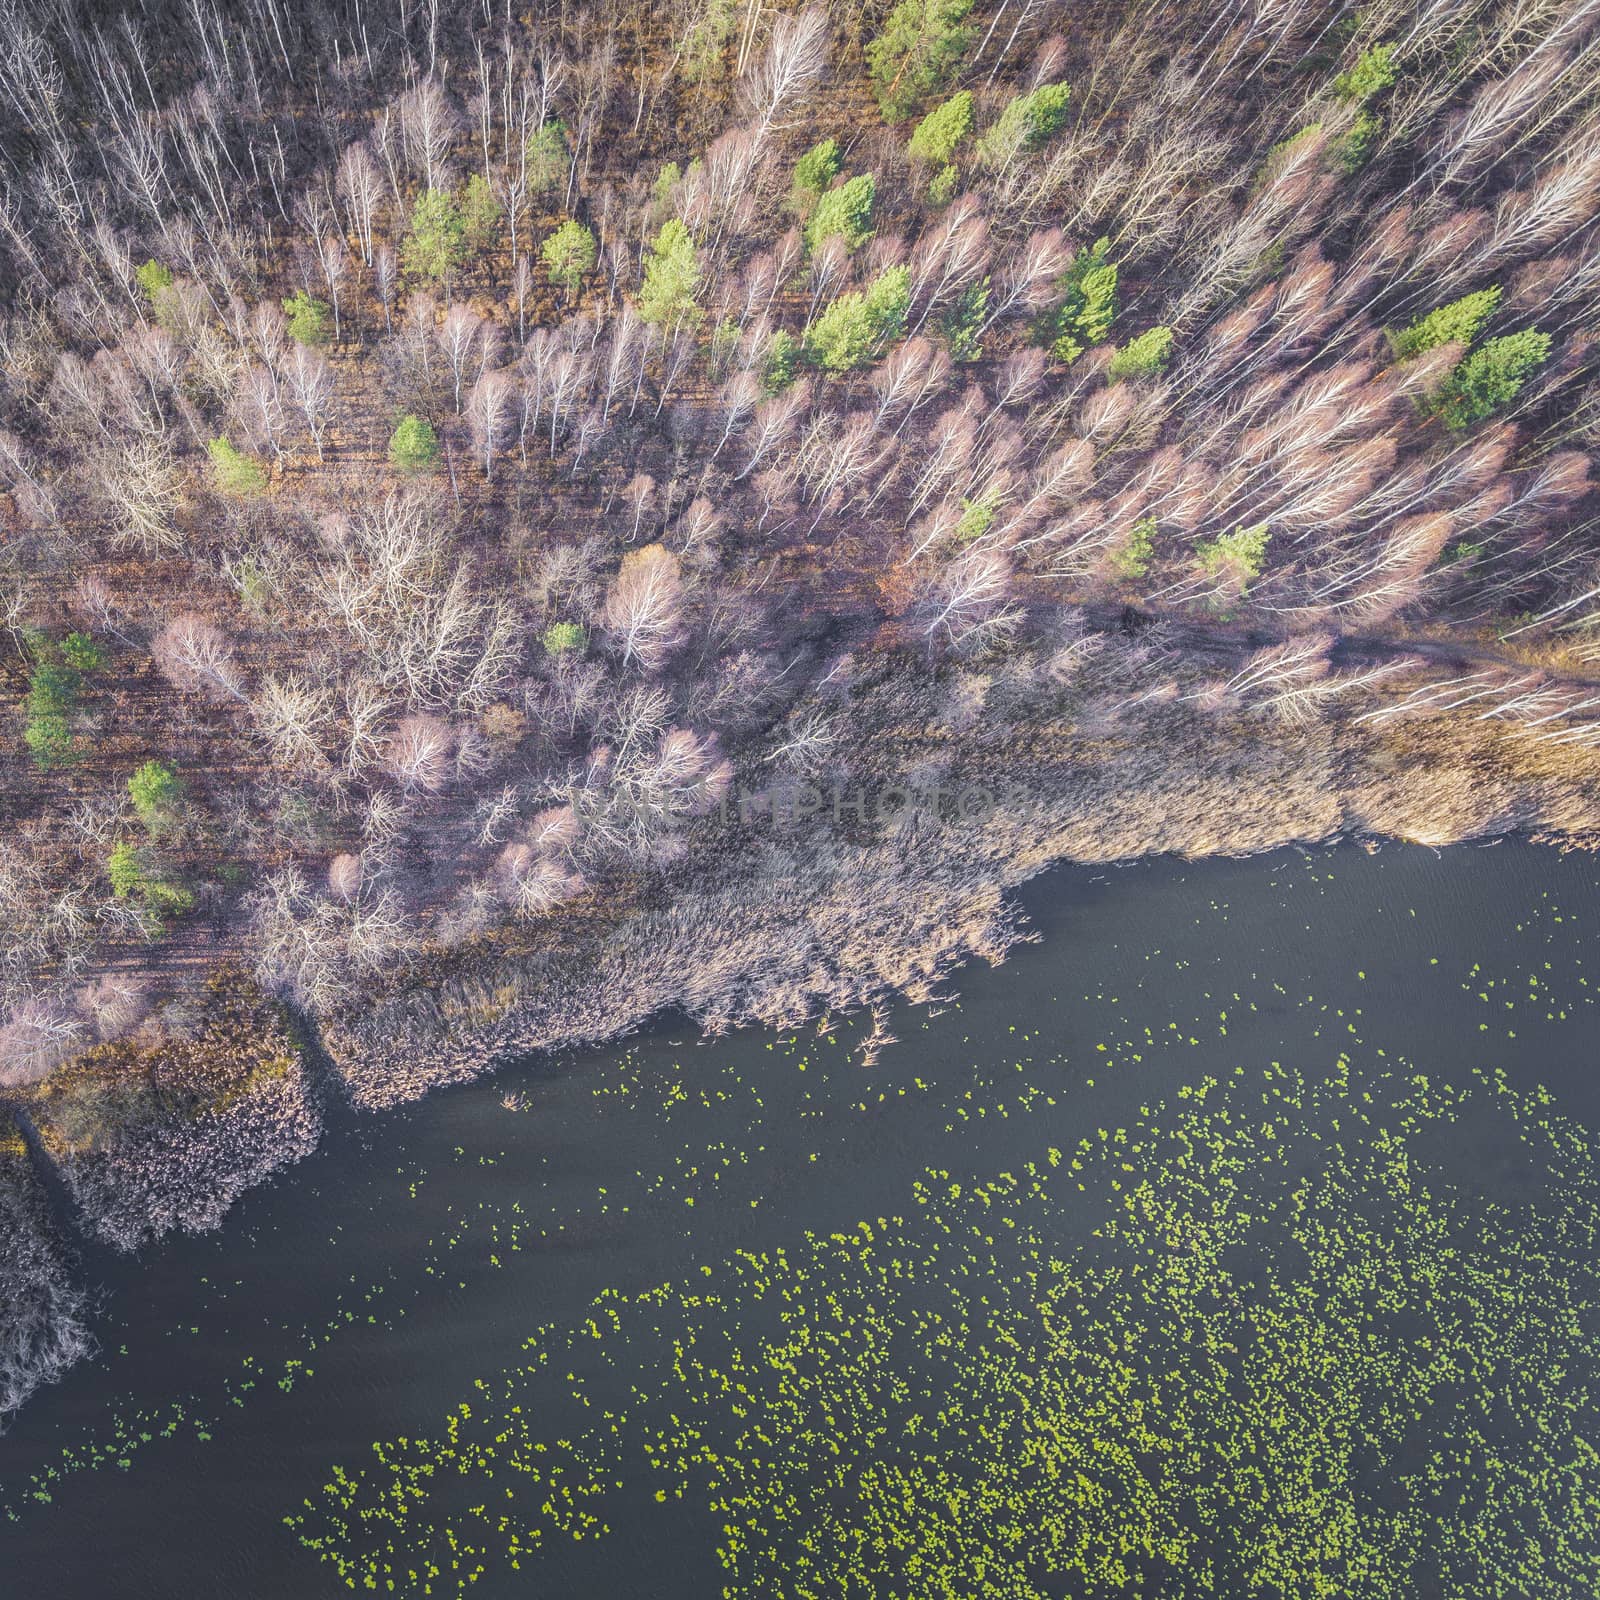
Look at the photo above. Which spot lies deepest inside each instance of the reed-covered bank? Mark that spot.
(771, 916)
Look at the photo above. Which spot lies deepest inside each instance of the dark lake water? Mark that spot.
(1264, 1185)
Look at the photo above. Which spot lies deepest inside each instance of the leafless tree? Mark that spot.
(418, 754)
(194, 655)
(309, 380)
(489, 415)
(968, 604)
(140, 487)
(797, 54)
(384, 279)
(428, 124)
(360, 186)
(459, 336)
(643, 611)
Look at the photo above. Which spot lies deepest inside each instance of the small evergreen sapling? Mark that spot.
(1490, 378)
(568, 253)
(671, 277)
(308, 318)
(413, 446)
(845, 211)
(1142, 357)
(236, 473)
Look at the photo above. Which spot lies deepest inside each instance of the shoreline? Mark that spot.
(757, 927)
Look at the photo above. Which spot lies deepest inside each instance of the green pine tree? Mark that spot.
(1141, 357)
(962, 324)
(436, 244)
(1370, 76)
(916, 53)
(845, 211)
(1490, 378)
(413, 446)
(782, 358)
(671, 277)
(480, 216)
(156, 791)
(813, 172)
(859, 325)
(1027, 122)
(50, 705)
(565, 638)
(568, 253)
(1448, 324)
(308, 318)
(549, 158)
(153, 278)
(1090, 304)
(937, 135)
(83, 653)
(1133, 559)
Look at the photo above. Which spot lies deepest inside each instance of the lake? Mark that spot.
(1235, 1236)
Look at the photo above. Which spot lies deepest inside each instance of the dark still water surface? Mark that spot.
(1235, 1238)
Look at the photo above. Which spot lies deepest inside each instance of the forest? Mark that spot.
(450, 455)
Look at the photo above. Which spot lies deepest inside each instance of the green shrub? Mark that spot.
(1240, 554)
(1133, 559)
(156, 791)
(942, 185)
(565, 638)
(938, 134)
(1142, 357)
(237, 473)
(813, 172)
(671, 277)
(83, 653)
(153, 278)
(51, 704)
(857, 326)
(1458, 321)
(413, 446)
(1490, 378)
(845, 211)
(480, 215)
(436, 244)
(548, 157)
(1370, 76)
(916, 52)
(1090, 305)
(568, 253)
(962, 324)
(1355, 149)
(308, 318)
(781, 361)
